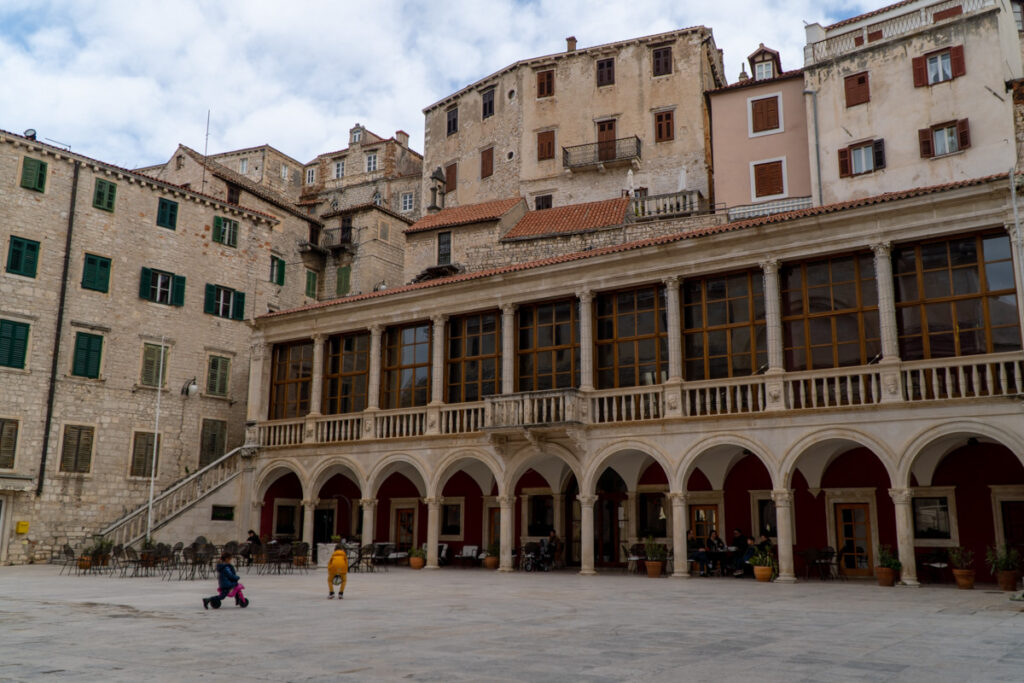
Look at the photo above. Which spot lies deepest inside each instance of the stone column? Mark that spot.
(783, 499)
(257, 512)
(587, 534)
(369, 516)
(774, 386)
(558, 501)
(1017, 250)
(308, 506)
(902, 500)
(433, 530)
(675, 329)
(316, 394)
(505, 532)
(891, 378)
(373, 386)
(508, 348)
(586, 298)
(437, 360)
(258, 405)
(631, 515)
(680, 530)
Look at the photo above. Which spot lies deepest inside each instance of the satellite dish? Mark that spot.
(30, 133)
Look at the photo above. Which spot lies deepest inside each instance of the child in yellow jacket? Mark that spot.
(337, 567)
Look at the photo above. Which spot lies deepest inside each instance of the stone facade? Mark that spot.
(573, 109)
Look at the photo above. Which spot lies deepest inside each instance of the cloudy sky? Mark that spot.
(125, 82)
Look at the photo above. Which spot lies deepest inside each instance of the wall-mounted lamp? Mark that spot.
(972, 441)
(190, 388)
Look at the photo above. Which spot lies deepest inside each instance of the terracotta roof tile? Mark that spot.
(650, 242)
(573, 218)
(463, 215)
(784, 76)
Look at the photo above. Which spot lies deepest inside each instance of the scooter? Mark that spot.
(235, 593)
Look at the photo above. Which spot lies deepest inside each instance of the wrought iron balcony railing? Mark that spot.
(604, 152)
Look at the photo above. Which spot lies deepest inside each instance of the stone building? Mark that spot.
(102, 268)
(574, 127)
(909, 95)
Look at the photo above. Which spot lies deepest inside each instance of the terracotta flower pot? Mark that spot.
(1007, 580)
(491, 562)
(886, 576)
(654, 568)
(763, 574)
(417, 562)
(964, 578)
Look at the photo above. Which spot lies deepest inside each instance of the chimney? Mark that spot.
(402, 137)
(570, 44)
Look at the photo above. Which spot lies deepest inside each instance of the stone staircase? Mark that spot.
(131, 528)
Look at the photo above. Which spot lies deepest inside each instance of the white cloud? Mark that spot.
(127, 81)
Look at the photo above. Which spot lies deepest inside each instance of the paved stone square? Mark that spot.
(474, 625)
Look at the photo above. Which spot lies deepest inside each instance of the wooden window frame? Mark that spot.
(291, 366)
(847, 156)
(664, 126)
(371, 162)
(213, 440)
(346, 373)
(312, 283)
(8, 443)
(547, 314)
(923, 75)
(927, 142)
(150, 371)
(87, 356)
(857, 88)
(619, 337)
(411, 204)
(451, 177)
(104, 195)
(487, 103)
(487, 163)
(167, 214)
(762, 119)
(545, 83)
(982, 297)
(605, 72)
(150, 287)
(277, 270)
(545, 145)
(225, 231)
(393, 368)
(661, 61)
(77, 462)
(466, 332)
(224, 302)
(142, 465)
(542, 199)
(755, 193)
(700, 304)
(809, 323)
(218, 375)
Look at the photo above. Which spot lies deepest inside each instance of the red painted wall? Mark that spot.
(397, 486)
(346, 493)
(461, 484)
(653, 475)
(746, 475)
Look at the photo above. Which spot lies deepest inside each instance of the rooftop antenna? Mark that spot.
(206, 146)
(59, 143)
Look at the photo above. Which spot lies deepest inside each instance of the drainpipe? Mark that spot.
(817, 147)
(58, 333)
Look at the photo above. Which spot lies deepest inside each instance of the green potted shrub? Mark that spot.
(1003, 562)
(888, 566)
(655, 554)
(962, 561)
(763, 562)
(417, 558)
(493, 554)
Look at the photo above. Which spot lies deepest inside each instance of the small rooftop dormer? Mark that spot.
(764, 63)
(355, 134)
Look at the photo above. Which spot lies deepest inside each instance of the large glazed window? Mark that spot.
(956, 297)
(724, 326)
(346, 373)
(406, 366)
(632, 344)
(291, 379)
(474, 357)
(547, 355)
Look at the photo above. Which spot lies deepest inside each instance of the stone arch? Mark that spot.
(528, 457)
(614, 453)
(273, 471)
(832, 442)
(336, 465)
(927, 449)
(402, 463)
(731, 447)
(446, 468)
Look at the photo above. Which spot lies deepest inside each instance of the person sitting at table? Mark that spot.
(253, 548)
(738, 542)
(743, 555)
(764, 543)
(695, 552)
(714, 545)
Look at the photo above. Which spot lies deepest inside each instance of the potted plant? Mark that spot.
(1003, 561)
(962, 560)
(763, 562)
(655, 554)
(417, 558)
(493, 553)
(888, 566)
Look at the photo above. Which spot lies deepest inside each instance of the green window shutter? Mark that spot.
(277, 270)
(151, 365)
(218, 229)
(104, 194)
(8, 441)
(76, 451)
(167, 214)
(33, 174)
(217, 376)
(177, 290)
(30, 258)
(238, 306)
(311, 283)
(23, 257)
(96, 273)
(344, 273)
(145, 283)
(13, 343)
(142, 454)
(210, 299)
(88, 352)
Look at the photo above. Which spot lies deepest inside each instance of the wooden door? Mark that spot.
(607, 537)
(404, 524)
(704, 520)
(493, 526)
(853, 539)
(606, 140)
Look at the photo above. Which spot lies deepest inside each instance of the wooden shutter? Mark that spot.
(150, 367)
(8, 442)
(13, 343)
(768, 179)
(76, 451)
(764, 114)
(142, 454)
(487, 162)
(33, 174)
(210, 299)
(920, 67)
(857, 89)
(280, 271)
(664, 129)
(545, 83)
(88, 351)
(146, 284)
(546, 145)
(924, 140)
(344, 275)
(89, 272)
(879, 150)
(450, 177)
(957, 64)
(177, 290)
(96, 273)
(238, 306)
(844, 162)
(104, 195)
(29, 252)
(218, 229)
(963, 134)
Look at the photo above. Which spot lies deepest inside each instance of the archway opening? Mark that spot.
(401, 513)
(281, 516)
(337, 512)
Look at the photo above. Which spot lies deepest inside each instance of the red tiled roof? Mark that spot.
(784, 76)
(573, 218)
(463, 215)
(880, 10)
(652, 241)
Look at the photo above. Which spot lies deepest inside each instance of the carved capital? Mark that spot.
(770, 266)
(506, 501)
(368, 503)
(585, 296)
(258, 350)
(881, 249)
(376, 330)
(318, 337)
(678, 498)
(783, 498)
(586, 500)
(900, 496)
(671, 282)
(439, 319)
(509, 309)
(257, 505)
(311, 504)
(433, 501)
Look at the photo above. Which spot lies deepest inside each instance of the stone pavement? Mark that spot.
(475, 625)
